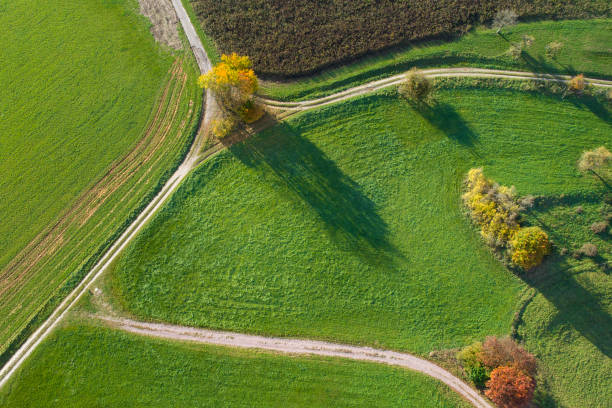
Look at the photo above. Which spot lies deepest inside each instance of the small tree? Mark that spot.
(529, 247)
(509, 387)
(470, 360)
(504, 351)
(504, 18)
(596, 161)
(416, 86)
(577, 84)
(553, 49)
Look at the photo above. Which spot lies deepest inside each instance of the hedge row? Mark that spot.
(294, 37)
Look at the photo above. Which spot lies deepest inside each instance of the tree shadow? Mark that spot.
(575, 305)
(350, 217)
(445, 118)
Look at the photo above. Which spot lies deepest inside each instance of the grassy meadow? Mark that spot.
(95, 116)
(585, 50)
(345, 223)
(85, 366)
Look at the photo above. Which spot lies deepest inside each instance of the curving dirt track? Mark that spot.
(431, 73)
(299, 346)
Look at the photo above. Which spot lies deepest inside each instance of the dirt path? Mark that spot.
(432, 73)
(299, 346)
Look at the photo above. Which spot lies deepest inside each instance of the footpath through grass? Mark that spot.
(345, 223)
(586, 49)
(82, 366)
(95, 116)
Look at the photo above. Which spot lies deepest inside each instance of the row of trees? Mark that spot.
(495, 209)
(506, 370)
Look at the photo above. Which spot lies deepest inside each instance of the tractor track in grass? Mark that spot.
(297, 347)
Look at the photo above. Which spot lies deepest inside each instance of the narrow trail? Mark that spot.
(431, 73)
(300, 347)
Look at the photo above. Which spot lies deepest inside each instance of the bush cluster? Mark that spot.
(506, 369)
(295, 37)
(496, 210)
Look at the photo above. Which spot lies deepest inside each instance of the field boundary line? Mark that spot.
(297, 347)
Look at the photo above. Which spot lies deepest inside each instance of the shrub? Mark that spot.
(222, 128)
(595, 161)
(553, 49)
(588, 249)
(600, 227)
(577, 83)
(250, 112)
(470, 360)
(509, 387)
(504, 351)
(491, 206)
(529, 247)
(416, 86)
(504, 18)
(528, 40)
(515, 51)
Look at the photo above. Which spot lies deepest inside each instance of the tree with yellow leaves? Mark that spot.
(232, 80)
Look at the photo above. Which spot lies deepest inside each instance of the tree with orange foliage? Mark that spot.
(509, 387)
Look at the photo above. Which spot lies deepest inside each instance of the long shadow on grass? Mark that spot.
(445, 118)
(575, 305)
(317, 181)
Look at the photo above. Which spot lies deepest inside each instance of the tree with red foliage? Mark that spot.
(509, 387)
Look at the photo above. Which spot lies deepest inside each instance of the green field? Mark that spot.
(586, 50)
(345, 223)
(83, 366)
(95, 115)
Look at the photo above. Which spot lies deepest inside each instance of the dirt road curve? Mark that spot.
(461, 72)
(188, 164)
(298, 346)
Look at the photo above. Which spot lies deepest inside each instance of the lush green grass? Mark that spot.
(568, 323)
(80, 85)
(87, 366)
(345, 223)
(586, 49)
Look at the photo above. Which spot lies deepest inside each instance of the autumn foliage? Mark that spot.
(234, 82)
(504, 351)
(495, 209)
(508, 367)
(509, 387)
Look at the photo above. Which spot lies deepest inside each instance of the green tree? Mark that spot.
(416, 86)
